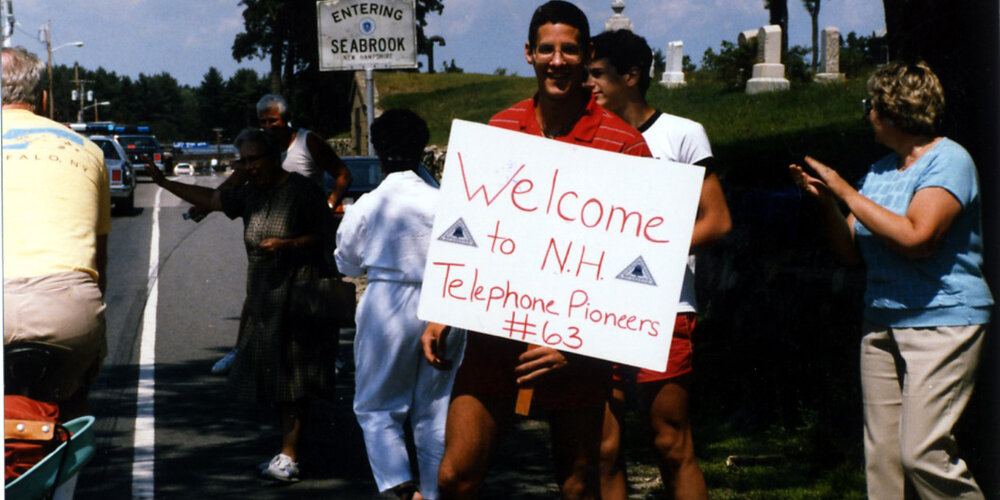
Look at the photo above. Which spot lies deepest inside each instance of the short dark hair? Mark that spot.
(559, 12)
(625, 50)
(399, 136)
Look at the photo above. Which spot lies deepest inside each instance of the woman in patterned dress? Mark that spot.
(287, 225)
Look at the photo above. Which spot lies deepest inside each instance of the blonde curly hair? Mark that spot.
(909, 95)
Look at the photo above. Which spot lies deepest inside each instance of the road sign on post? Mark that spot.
(367, 34)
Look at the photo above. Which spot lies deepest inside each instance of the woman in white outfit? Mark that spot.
(386, 235)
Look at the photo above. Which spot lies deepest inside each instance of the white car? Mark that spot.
(183, 169)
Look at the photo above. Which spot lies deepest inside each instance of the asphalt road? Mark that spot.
(207, 445)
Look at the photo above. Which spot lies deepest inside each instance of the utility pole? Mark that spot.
(45, 36)
(81, 94)
(7, 14)
(47, 29)
(218, 145)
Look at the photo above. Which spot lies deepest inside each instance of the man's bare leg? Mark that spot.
(667, 402)
(576, 449)
(471, 434)
(614, 480)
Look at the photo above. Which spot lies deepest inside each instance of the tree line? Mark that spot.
(175, 112)
(283, 32)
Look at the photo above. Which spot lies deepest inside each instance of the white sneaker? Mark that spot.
(282, 468)
(222, 366)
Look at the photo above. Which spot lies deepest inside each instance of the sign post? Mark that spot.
(367, 35)
(559, 245)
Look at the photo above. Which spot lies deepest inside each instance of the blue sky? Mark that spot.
(186, 37)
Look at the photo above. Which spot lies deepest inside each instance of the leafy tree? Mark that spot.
(812, 6)
(859, 54)
(285, 32)
(687, 66)
(268, 31)
(659, 64)
(159, 103)
(62, 87)
(795, 65)
(425, 7)
(243, 90)
(733, 64)
(211, 103)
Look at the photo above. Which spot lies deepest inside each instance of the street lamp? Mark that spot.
(47, 32)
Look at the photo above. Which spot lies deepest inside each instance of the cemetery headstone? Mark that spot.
(768, 73)
(830, 57)
(673, 76)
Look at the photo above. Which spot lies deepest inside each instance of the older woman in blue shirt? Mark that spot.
(916, 225)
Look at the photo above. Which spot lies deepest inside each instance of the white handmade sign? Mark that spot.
(359, 34)
(560, 245)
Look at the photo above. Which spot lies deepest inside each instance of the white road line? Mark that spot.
(144, 458)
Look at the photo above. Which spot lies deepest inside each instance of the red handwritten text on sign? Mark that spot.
(559, 245)
(591, 213)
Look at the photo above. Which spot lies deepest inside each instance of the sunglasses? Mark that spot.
(866, 105)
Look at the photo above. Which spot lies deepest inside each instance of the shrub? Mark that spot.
(733, 65)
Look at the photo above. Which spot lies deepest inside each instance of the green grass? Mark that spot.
(443, 97)
(731, 116)
(753, 137)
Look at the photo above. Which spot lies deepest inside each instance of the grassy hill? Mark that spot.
(754, 137)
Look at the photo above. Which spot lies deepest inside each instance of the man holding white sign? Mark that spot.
(572, 387)
(619, 77)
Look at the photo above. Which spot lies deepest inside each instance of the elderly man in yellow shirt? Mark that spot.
(56, 219)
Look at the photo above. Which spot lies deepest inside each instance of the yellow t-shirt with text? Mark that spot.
(56, 197)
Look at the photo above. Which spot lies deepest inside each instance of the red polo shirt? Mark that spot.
(597, 128)
(487, 370)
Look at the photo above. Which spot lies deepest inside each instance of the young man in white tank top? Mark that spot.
(619, 78)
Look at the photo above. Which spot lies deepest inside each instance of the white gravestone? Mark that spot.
(673, 76)
(830, 50)
(618, 21)
(768, 73)
(746, 37)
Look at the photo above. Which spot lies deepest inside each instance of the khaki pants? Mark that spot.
(915, 385)
(65, 310)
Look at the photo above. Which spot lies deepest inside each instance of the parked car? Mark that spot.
(120, 172)
(138, 145)
(366, 175)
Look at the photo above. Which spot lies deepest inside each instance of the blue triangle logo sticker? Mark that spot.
(637, 272)
(458, 233)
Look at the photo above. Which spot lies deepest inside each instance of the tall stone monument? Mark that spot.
(673, 76)
(768, 73)
(618, 21)
(829, 69)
